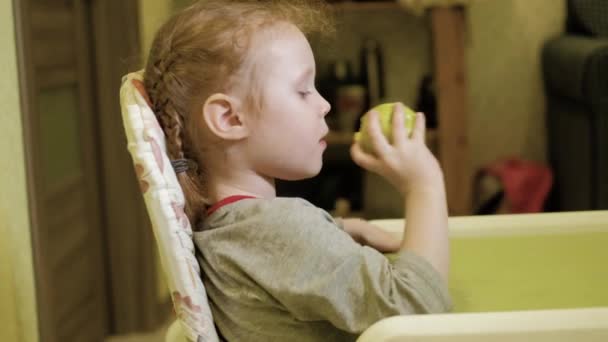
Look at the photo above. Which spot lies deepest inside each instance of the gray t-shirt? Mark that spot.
(283, 270)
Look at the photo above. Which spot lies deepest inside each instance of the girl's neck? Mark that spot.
(248, 184)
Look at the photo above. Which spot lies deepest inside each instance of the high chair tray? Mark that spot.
(517, 277)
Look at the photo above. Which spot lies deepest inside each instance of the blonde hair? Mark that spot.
(198, 52)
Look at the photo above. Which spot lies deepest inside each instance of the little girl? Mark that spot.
(232, 83)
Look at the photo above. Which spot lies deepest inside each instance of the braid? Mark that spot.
(172, 123)
(164, 85)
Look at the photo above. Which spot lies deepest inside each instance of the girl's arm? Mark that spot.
(368, 234)
(408, 164)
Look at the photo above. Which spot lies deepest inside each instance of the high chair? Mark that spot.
(173, 233)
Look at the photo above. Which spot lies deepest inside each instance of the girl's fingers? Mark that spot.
(378, 141)
(399, 132)
(419, 131)
(365, 160)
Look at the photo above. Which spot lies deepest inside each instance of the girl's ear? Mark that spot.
(223, 119)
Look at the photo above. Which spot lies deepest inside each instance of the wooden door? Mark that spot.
(61, 145)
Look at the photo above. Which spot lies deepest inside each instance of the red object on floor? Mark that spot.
(526, 184)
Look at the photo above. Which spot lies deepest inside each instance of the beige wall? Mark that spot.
(17, 295)
(506, 92)
(152, 13)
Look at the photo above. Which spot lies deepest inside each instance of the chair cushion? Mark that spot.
(165, 205)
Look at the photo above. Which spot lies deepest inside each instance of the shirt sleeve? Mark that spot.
(339, 221)
(319, 273)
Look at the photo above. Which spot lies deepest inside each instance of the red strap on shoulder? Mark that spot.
(226, 201)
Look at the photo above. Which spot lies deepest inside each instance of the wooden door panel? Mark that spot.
(59, 139)
(72, 55)
(53, 34)
(63, 144)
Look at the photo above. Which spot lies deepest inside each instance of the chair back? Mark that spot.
(165, 201)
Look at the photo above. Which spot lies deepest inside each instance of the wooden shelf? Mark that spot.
(348, 6)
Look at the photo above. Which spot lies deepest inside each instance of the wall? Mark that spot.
(506, 92)
(152, 14)
(17, 294)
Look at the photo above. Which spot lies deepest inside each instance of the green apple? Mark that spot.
(385, 111)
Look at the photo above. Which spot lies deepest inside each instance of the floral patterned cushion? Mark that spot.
(165, 202)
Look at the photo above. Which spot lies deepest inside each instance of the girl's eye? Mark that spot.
(304, 93)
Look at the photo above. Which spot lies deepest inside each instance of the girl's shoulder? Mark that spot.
(302, 210)
(264, 214)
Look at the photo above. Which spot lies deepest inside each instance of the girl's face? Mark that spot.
(287, 136)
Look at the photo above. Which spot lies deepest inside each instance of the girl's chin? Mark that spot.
(303, 174)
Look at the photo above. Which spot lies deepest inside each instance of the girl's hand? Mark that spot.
(370, 235)
(407, 163)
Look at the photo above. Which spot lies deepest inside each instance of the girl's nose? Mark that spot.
(326, 107)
